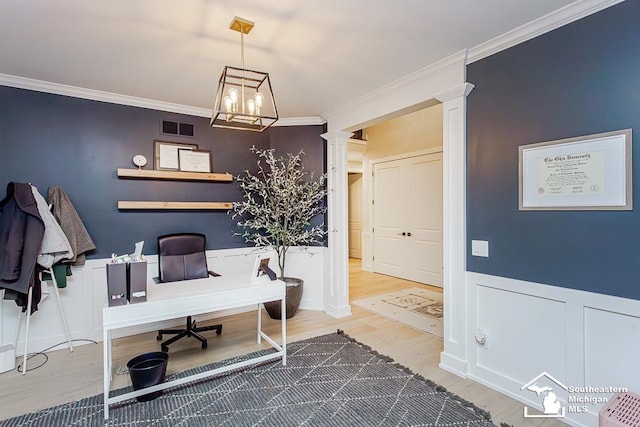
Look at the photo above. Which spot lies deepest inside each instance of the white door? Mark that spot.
(407, 214)
(388, 242)
(355, 215)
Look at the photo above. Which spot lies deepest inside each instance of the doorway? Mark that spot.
(407, 218)
(415, 134)
(443, 84)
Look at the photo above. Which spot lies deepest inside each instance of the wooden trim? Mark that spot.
(126, 204)
(175, 175)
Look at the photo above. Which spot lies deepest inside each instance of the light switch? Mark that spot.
(480, 248)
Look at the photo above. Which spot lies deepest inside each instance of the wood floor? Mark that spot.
(67, 377)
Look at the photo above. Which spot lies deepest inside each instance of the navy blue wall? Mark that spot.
(79, 144)
(294, 139)
(580, 79)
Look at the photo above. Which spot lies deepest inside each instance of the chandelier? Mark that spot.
(244, 99)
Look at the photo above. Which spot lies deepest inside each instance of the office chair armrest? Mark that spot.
(213, 274)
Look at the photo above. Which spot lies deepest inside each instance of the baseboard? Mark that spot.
(453, 365)
(338, 312)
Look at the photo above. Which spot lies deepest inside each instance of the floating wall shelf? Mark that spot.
(173, 175)
(174, 205)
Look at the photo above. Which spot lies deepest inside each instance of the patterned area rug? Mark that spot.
(330, 380)
(416, 307)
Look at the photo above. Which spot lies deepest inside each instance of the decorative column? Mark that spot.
(454, 109)
(336, 292)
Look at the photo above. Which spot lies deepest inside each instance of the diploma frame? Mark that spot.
(166, 154)
(591, 172)
(194, 160)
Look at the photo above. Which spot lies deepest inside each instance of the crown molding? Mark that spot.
(452, 61)
(549, 22)
(132, 101)
(299, 121)
(537, 27)
(457, 92)
(97, 95)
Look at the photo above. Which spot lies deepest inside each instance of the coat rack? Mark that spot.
(28, 316)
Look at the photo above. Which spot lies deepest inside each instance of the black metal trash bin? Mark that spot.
(147, 370)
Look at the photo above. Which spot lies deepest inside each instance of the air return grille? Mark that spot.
(168, 127)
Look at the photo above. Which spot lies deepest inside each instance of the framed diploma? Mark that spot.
(590, 172)
(166, 154)
(194, 160)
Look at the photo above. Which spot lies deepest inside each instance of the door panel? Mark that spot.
(425, 220)
(355, 215)
(388, 245)
(408, 199)
(426, 263)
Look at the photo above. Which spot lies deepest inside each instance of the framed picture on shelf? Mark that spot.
(166, 154)
(194, 160)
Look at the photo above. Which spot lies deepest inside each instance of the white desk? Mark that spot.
(192, 297)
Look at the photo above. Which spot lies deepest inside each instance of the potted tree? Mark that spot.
(279, 202)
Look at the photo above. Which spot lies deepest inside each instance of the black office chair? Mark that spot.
(182, 257)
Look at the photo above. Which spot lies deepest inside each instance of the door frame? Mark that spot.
(445, 82)
(336, 291)
(360, 208)
(369, 265)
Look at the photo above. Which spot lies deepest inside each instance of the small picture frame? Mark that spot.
(194, 160)
(258, 273)
(166, 154)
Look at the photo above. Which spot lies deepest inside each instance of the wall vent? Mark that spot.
(168, 127)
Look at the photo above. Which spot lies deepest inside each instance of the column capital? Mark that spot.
(336, 134)
(459, 91)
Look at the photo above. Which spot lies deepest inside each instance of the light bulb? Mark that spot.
(259, 98)
(251, 104)
(233, 93)
(228, 103)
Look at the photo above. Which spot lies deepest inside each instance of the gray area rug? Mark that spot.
(331, 380)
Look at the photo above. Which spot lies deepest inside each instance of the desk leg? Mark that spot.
(106, 359)
(259, 324)
(283, 308)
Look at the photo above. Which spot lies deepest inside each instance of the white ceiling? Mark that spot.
(319, 54)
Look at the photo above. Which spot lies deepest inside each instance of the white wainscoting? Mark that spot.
(86, 290)
(582, 339)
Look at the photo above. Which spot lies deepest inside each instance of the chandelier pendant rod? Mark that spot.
(242, 65)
